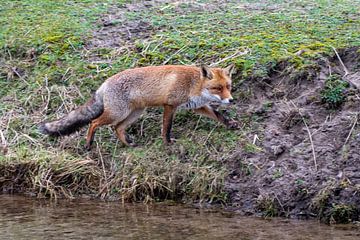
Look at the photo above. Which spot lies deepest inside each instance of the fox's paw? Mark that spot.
(88, 147)
(129, 141)
(170, 141)
(132, 144)
(232, 124)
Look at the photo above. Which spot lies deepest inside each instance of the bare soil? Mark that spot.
(306, 157)
(116, 30)
(293, 174)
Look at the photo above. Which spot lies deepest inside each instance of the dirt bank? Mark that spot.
(305, 153)
(306, 158)
(296, 154)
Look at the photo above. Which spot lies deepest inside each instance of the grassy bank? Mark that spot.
(53, 55)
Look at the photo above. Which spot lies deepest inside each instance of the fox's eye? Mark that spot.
(218, 88)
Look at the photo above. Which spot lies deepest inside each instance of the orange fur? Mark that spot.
(125, 95)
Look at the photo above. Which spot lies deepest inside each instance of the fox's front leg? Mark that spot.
(213, 114)
(168, 116)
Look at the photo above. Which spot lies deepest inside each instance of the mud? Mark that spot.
(120, 27)
(117, 31)
(305, 158)
(293, 174)
(289, 173)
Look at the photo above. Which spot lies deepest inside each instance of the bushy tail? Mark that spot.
(75, 119)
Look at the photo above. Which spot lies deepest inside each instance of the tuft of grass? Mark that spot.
(277, 174)
(133, 175)
(333, 92)
(268, 206)
(321, 199)
(331, 211)
(342, 213)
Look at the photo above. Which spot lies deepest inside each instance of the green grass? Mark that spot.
(333, 91)
(47, 70)
(273, 30)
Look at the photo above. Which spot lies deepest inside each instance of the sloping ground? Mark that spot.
(306, 157)
(295, 155)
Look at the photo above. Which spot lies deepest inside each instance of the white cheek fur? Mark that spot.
(225, 101)
(202, 100)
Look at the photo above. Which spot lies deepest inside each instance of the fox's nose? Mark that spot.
(231, 100)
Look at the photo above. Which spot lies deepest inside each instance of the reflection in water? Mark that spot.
(26, 218)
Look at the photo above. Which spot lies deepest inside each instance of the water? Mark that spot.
(27, 218)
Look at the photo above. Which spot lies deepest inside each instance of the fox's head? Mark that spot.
(218, 83)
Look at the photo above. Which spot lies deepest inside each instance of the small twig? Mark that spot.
(281, 205)
(197, 123)
(142, 127)
(3, 140)
(10, 56)
(106, 186)
(341, 62)
(103, 165)
(129, 33)
(63, 101)
(236, 54)
(351, 130)
(167, 6)
(177, 52)
(147, 46)
(63, 77)
(30, 138)
(310, 136)
(212, 130)
(13, 69)
(159, 44)
(3, 145)
(255, 138)
(28, 32)
(301, 51)
(48, 94)
(312, 143)
(348, 79)
(71, 45)
(16, 72)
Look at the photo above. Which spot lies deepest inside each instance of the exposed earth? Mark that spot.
(308, 154)
(305, 154)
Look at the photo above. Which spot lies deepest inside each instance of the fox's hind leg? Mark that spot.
(104, 119)
(121, 127)
(169, 112)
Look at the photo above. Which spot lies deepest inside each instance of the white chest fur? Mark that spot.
(201, 100)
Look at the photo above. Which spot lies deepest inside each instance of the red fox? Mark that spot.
(122, 98)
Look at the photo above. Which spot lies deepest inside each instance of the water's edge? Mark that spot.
(29, 218)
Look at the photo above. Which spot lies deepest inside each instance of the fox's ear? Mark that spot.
(229, 70)
(206, 72)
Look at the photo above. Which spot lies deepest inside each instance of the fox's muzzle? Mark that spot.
(227, 100)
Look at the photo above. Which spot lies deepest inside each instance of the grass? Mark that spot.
(333, 211)
(48, 68)
(333, 92)
(272, 30)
